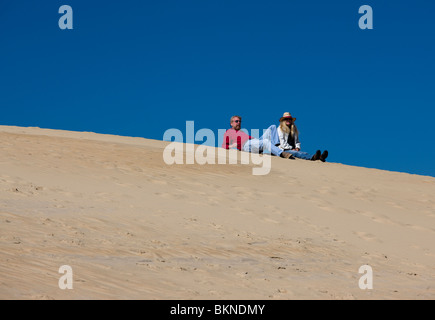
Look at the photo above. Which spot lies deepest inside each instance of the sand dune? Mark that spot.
(132, 227)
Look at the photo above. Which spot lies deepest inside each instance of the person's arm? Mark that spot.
(297, 142)
(242, 136)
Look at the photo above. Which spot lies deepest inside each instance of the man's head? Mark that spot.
(236, 122)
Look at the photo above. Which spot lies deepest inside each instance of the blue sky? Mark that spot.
(138, 68)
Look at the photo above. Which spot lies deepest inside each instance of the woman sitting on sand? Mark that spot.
(289, 140)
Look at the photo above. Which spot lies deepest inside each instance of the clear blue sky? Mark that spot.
(138, 68)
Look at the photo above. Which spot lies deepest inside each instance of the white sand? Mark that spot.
(132, 227)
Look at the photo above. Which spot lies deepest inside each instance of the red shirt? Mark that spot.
(232, 136)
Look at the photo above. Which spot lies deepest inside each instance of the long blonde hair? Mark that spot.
(292, 130)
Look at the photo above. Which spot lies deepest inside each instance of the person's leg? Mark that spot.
(300, 154)
(271, 134)
(264, 146)
(252, 145)
(268, 147)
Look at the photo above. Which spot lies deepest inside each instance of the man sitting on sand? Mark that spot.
(236, 138)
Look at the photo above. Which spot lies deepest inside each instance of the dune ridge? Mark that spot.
(133, 227)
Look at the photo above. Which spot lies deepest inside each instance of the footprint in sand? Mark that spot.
(379, 218)
(326, 190)
(395, 205)
(367, 236)
(162, 182)
(322, 204)
(270, 220)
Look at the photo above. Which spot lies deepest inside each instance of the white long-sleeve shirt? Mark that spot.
(283, 140)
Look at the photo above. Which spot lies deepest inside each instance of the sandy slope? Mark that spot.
(132, 227)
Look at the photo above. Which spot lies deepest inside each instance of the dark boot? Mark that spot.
(316, 156)
(286, 155)
(324, 156)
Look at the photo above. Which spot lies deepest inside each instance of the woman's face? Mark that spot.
(288, 122)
